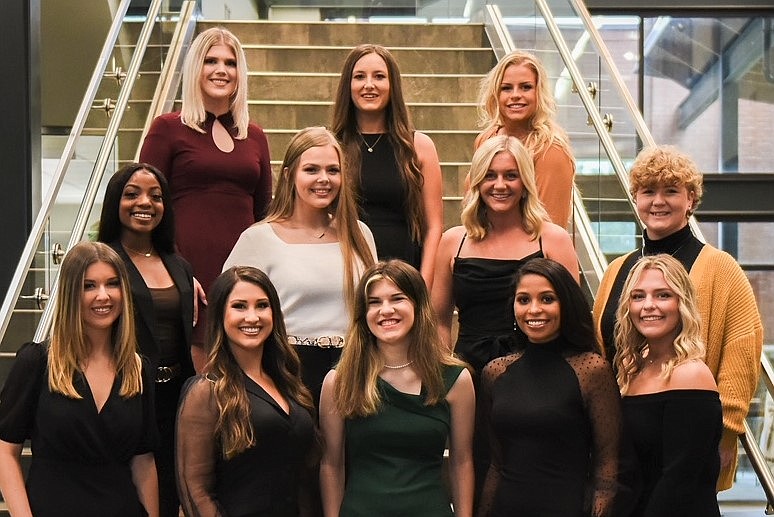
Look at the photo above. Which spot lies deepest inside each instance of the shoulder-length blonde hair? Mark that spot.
(631, 346)
(192, 113)
(69, 347)
(400, 131)
(354, 246)
(544, 131)
(533, 213)
(234, 429)
(356, 391)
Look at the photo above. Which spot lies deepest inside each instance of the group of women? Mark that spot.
(326, 348)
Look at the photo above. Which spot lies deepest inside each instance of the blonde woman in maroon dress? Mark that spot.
(215, 160)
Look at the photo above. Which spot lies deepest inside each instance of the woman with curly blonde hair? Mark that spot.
(245, 430)
(671, 406)
(515, 99)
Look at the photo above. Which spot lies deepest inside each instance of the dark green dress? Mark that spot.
(394, 457)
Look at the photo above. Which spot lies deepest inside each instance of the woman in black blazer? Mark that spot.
(137, 222)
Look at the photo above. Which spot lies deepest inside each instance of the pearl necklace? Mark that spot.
(398, 366)
(370, 148)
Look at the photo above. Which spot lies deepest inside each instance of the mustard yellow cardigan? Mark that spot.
(732, 331)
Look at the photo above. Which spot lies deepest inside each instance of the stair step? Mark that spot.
(349, 35)
(331, 59)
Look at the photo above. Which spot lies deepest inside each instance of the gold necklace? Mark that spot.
(398, 366)
(147, 254)
(370, 147)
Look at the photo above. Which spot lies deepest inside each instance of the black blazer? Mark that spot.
(145, 315)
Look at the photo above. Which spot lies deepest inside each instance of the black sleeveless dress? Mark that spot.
(483, 293)
(383, 202)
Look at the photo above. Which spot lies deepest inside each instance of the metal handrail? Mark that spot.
(16, 284)
(169, 79)
(620, 86)
(753, 450)
(103, 155)
(497, 31)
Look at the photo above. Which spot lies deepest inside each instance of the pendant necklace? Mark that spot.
(144, 253)
(370, 148)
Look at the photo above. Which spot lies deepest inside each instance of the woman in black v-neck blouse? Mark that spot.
(246, 435)
(84, 398)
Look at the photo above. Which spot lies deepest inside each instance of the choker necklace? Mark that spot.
(399, 366)
(370, 147)
(144, 253)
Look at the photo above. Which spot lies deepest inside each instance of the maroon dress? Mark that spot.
(215, 195)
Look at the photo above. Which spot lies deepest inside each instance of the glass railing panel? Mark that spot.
(747, 492)
(69, 163)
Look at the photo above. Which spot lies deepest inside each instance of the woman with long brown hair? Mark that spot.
(245, 430)
(396, 167)
(390, 405)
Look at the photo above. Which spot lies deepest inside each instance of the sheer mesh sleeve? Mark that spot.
(603, 405)
(489, 375)
(197, 449)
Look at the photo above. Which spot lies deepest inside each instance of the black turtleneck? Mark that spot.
(682, 245)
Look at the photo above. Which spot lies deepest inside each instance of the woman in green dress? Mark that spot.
(389, 407)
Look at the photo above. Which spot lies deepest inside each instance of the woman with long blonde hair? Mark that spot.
(85, 400)
(504, 225)
(515, 99)
(215, 160)
(245, 430)
(313, 248)
(391, 403)
(671, 406)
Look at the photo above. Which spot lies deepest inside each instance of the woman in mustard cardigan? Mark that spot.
(667, 186)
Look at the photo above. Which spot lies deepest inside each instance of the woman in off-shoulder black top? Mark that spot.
(671, 406)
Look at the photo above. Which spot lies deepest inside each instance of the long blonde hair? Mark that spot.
(68, 345)
(473, 216)
(354, 247)
(544, 131)
(280, 362)
(192, 113)
(400, 131)
(631, 346)
(356, 390)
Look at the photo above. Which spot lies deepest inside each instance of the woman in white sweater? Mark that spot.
(313, 249)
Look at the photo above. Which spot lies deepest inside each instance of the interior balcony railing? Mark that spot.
(123, 94)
